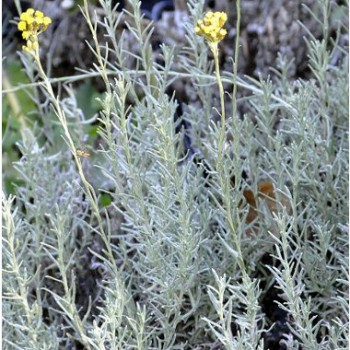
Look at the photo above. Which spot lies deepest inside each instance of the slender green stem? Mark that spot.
(89, 189)
(236, 141)
(62, 118)
(235, 64)
(102, 63)
(221, 141)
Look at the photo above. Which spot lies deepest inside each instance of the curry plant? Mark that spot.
(202, 243)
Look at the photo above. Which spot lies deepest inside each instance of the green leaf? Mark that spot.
(105, 199)
(86, 96)
(17, 76)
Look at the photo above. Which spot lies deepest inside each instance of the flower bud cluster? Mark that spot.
(32, 23)
(210, 27)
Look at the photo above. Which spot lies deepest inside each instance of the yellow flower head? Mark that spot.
(32, 23)
(210, 27)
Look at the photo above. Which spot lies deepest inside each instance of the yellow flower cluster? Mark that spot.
(32, 23)
(210, 27)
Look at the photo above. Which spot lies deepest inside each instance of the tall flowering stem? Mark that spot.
(32, 23)
(211, 28)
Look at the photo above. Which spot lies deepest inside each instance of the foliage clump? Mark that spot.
(181, 227)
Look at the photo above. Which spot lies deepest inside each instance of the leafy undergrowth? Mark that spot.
(148, 241)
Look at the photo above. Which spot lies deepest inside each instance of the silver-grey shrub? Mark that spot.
(168, 265)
